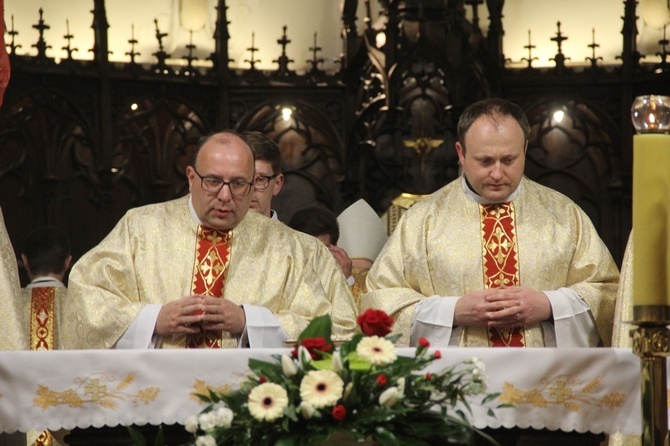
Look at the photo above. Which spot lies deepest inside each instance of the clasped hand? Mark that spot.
(505, 307)
(192, 314)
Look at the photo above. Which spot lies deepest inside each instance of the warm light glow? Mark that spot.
(193, 14)
(558, 116)
(651, 114)
(286, 113)
(133, 107)
(380, 39)
(655, 13)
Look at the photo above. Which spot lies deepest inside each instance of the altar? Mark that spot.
(582, 390)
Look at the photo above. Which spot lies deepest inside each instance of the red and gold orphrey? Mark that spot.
(42, 333)
(42, 321)
(500, 262)
(212, 256)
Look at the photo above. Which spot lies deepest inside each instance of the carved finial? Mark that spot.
(161, 55)
(315, 61)
(190, 71)
(663, 66)
(133, 41)
(530, 47)
(159, 35)
(68, 38)
(593, 45)
(559, 58)
(12, 45)
(283, 60)
(252, 61)
(41, 44)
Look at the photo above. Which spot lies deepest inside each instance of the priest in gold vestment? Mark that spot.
(202, 271)
(493, 258)
(12, 337)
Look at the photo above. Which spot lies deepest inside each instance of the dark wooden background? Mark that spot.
(81, 142)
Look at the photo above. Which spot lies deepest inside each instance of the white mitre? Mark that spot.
(362, 233)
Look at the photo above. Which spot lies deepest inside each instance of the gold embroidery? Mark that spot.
(45, 439)
(42, 322)
(94, 390)
(562, 390)
(200, 387)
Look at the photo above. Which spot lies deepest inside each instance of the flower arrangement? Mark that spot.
(361, 388)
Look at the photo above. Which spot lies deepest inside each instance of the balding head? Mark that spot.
(220, 157)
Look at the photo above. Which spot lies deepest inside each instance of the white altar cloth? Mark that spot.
(595, 390)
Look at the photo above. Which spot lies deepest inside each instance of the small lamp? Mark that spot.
(651, 114)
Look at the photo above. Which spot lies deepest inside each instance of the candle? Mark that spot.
(651, 201)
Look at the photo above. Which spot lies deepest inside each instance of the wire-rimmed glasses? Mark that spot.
(238, 188)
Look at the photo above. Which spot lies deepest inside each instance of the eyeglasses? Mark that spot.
(263, 181)
(238, 188)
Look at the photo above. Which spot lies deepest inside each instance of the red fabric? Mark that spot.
(4, 57)
(501, 264)
(209, 276)
(42, 323)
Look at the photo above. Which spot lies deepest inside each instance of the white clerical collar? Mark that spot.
(273, 215)
(192, 211)
(46, 282)
(474, 196)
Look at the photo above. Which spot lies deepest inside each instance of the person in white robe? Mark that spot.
(493, 258)
(202, 271)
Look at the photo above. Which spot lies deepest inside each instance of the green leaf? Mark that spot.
(490, 397)
(357, 363)
(137, 438)
(160, 437)
(385, 437)
(320, 326)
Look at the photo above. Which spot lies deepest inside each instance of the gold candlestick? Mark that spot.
(651, 255)
(651, 342)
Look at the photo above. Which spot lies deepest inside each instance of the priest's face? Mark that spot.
(223, 158)
(493, 156)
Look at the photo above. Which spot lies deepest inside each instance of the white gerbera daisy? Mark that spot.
(321, 388)
(267, 401)
(378, 351)
(205, 440)
(191, 425)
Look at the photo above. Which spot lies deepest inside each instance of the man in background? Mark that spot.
(269, 179)
(362, 237)
(321, 223)
(46, 257)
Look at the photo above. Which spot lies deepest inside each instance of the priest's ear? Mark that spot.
(279, 182)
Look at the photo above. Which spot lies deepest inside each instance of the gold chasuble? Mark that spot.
(501, 267)
(157, 254)
(448, 245)
(209, 276)
(13, 338)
